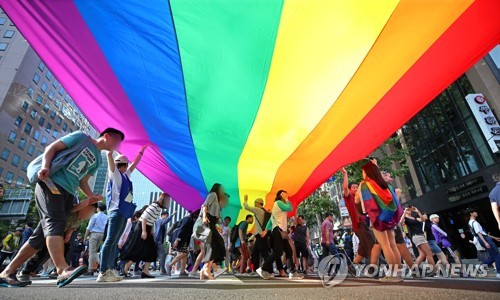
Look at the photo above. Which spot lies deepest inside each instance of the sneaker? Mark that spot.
(295, 275)
(89, 273)
(219, 272)
(183, 274)
(252, 274)
(498, 275)
(53, 275)
(108, 276)
(23, 277)
(265, 275)
(168, 271)
(44, 274)
(194, 273)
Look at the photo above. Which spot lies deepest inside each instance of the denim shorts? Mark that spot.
(434, 247)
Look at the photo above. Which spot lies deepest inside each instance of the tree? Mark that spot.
(315, 206)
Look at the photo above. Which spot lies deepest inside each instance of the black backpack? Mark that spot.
(267, 216)
(234, 233)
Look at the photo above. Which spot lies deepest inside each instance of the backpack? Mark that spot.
(267, 216)
(234, 233)
(171, 230)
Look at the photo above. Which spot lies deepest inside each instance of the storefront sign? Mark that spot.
(343, 209)
(486, 119)
(474, 192)
(465, 185)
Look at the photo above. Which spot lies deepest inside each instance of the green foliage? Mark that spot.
(317, 204)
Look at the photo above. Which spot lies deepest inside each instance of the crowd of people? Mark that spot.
(203, 244)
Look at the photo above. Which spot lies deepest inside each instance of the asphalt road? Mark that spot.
(231, 287)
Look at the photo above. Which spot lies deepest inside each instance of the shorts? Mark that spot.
(398, 235)
(434, 247)
(301, 249)
(366, 240)
(53, 211)
(418, 239)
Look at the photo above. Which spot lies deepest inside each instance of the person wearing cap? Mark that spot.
(10, 244)
(79, 157)
(261, 246)
(95, 234)
(485, 239)
(119, 190)
(78, 248)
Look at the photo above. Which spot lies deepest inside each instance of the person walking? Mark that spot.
(159, 237)
(95, 233)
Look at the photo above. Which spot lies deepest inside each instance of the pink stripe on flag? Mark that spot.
(62, 39)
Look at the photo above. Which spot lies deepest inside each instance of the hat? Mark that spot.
(121, 159)
(433, 216)
(259, 200)
(19, 229)
(79, 234)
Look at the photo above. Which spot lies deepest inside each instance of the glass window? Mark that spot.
(39, 99)
(31, 91)
(61, 91)
(9, 177)
(67, 98)
(24, 106)
(3, 46)
(51, 95)
(25, 165)
(33, 113)
(53, 115)
(46, 108)
(41, 121)
(41, 66)
(31, 150)
(59, 120)
(12, 136)
(15, 160)
(36, 78)
(5, 154)
(28, 128)
(44, 87)
(8, 34)
(44, 141)
(65, 127)
(1, 171)
(22, 144)
(48, 75)
(39, 152)
(48, 128)
(2, 20)
(36, 135)
(57, 103)
(18, 121)
(55, 83)
(54, 134)
(20, 181)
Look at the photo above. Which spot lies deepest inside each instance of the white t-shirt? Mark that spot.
(116, 179)
(476, 227)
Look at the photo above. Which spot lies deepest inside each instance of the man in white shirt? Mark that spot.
(485, 239)
(95, 233)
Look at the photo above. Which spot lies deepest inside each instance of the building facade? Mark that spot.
(35, 110)
(451, 162)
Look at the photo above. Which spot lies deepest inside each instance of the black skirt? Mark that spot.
(139, 249)
(214, 248)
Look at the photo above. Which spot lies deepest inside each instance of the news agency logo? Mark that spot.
(332, 270)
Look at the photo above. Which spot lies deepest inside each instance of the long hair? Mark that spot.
(278, 195)
(372, 172)
(216, 189)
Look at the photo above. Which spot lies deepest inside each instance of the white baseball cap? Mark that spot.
(121, 159)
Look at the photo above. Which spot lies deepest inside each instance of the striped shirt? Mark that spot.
(151, 214)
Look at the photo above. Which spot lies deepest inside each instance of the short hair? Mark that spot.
(300, 216)
(30, 223)
(138, 214)
(328, 214)
(350, 184)
(278, 194)
(110, 130)
(228, 218)
(248, 216)
(164, 213)
(120, 165)
(433, 216)
(1, 186)
(496, 176)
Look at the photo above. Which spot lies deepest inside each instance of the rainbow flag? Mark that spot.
(259, 95)
(384, 212)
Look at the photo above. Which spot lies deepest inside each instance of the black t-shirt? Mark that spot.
(428, 231)
(414, 226)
